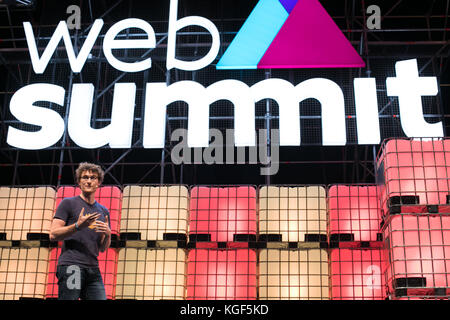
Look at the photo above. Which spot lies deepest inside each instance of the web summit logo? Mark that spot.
(277, 34)
(289, 34)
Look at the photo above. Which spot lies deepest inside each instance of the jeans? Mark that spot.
(75, 282)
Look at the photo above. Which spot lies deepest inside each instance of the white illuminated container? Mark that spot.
(293, 274)
(151, 274)
(23, 273)
(292, 212)
(26, 210)
(154, 211)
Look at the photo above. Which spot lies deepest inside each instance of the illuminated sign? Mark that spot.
(407, 86)
(110, 43)
(289, 34)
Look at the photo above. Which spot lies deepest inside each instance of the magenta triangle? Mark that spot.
(310, 39)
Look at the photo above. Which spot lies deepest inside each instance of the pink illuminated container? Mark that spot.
(108, 196)
(111, 198)
(356, 274)
(51, 291)
(418, 255)
(214, 274)
(354, 211)
(414, 175)
(107, 262)
(222, 213)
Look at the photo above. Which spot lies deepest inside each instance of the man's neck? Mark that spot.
(88, 197)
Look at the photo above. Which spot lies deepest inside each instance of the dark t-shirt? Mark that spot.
(82, 247)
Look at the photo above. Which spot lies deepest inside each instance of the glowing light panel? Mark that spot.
(223, 212)
(221, 274)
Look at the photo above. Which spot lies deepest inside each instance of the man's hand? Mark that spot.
(103, 227)
(87, 220)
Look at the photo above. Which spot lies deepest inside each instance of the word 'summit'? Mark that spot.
(407, 86)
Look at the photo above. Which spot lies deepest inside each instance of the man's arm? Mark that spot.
(59, 231)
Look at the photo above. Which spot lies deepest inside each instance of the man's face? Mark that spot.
(89, 181)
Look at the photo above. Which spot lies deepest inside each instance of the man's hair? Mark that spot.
(86, 166)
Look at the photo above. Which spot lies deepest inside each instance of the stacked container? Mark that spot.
(355, 243)
(293, 256)
(414, 188)
(25, 219)
(26, 213)
(152, 258)
(222, 240)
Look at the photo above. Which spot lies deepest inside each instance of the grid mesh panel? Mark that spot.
(293, 274)
(153, 212)
(354, 210)
(414, 174)
(418, 255)
(149, 274)
(23, 273)
(228, 274)
(292, 212)
(223, 212)
(26, 210)
(356, 274)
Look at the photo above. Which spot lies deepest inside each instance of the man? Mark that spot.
(83, 224)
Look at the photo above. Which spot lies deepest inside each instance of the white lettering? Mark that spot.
(118, 133)
(198, 98)
(23, 108)
(282, 92)
(175, 25)
(331, 99)
(239, 94)
(287, 96)
(366, 104)
(61, 32)
(111, 43)
(410, 88)
(159, 95)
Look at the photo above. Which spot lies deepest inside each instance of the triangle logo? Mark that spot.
(303, 35)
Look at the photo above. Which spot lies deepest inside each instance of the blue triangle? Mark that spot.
(255, 36)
